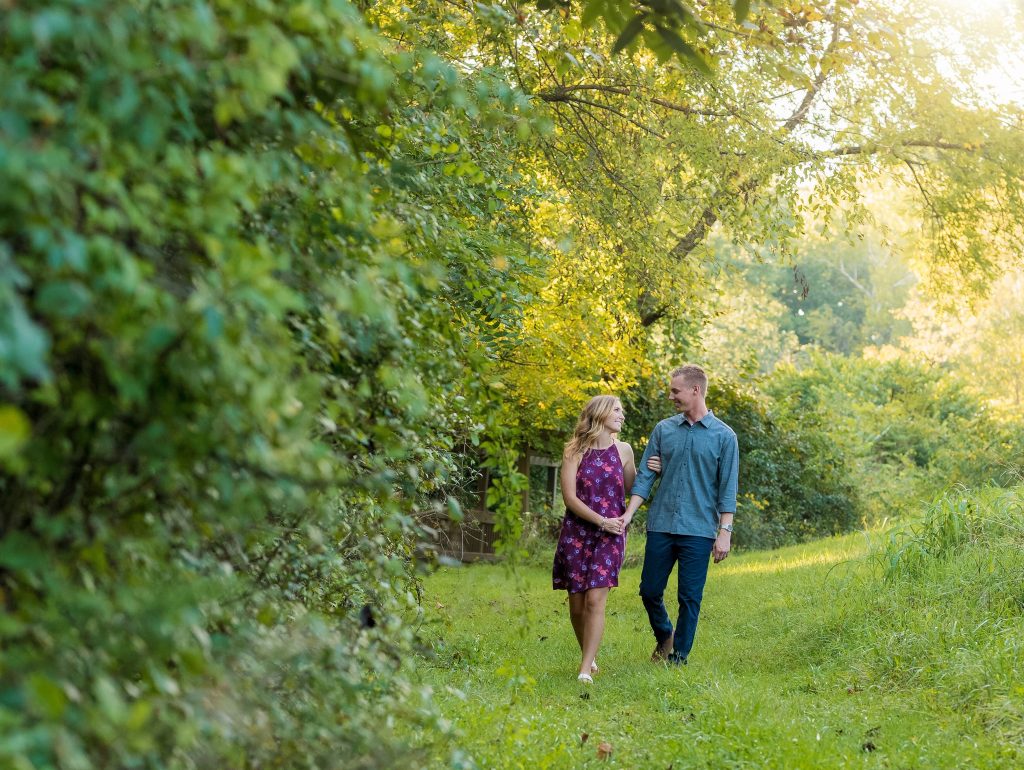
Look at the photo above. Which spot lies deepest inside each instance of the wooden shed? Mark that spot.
(473, 539)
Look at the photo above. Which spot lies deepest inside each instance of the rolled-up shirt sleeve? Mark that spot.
(728, 475)
(645, 477)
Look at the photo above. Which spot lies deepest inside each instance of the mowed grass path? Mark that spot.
(775, 679)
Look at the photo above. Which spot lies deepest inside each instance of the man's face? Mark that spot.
(684, 395)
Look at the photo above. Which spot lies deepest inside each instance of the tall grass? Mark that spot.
(959, 520)
(951, 607)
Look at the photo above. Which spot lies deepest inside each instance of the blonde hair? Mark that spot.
(590, 425)
(692, 375)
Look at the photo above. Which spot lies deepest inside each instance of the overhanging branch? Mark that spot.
(707, 218)
(873, 149)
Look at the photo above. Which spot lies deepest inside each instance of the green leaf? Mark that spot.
(19, 552)
(23, 345)
(591, 12)
(157, 338)
(742, 9)
(46, 695)
(455, 510)
(139, 714)
(686, 52)
(629, 33)
(14, 430)
(213, 323)
(686, 16)
(110, 699)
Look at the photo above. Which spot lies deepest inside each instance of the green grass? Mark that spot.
(824, 655)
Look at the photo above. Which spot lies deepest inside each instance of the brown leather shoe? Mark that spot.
(661, 652)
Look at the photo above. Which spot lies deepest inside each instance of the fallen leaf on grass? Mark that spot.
(604, 750)
(868, 746)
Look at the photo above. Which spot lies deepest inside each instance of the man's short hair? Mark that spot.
(692, 375)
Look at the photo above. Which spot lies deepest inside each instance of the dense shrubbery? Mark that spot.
(242, 271)
(907, 430)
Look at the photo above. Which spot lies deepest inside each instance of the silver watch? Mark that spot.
(726, 527)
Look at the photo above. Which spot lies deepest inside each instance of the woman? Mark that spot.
(597, 473)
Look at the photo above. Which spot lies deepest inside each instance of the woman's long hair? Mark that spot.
(590, 424)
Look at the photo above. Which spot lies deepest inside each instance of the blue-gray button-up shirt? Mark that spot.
(699, 475)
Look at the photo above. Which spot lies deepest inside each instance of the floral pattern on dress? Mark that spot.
(586, 557)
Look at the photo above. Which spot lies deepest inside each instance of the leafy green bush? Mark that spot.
(233, 242)
(909, 430)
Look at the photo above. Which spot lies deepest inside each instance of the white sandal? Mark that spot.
(593, 667)
(585, 679)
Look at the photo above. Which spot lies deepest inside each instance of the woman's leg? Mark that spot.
(593, 626)
(577, 603)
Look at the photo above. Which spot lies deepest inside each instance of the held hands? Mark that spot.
(613, 526)
(654, 463)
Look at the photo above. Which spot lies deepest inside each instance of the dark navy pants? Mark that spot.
(663, 552)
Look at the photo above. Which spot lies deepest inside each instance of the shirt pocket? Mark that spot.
(706, 454)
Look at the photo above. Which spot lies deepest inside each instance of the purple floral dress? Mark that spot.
(586, 557)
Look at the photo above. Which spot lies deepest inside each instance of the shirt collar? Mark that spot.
(706, 420)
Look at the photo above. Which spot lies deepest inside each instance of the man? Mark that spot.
(692, 513)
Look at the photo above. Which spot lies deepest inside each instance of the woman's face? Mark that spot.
(613, 422)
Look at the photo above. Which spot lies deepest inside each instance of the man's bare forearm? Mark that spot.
(635, 501)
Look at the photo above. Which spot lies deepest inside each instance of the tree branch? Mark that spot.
(853, 279)
(709, 216)
(871, 149)
(561, 94)
(924, 192)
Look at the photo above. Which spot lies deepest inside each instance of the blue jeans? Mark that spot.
(662, 553)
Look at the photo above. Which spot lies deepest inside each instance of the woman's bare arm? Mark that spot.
(628, 464)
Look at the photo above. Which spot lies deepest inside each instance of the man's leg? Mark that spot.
(694, 553)
(659, 558)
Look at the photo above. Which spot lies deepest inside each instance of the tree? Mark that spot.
(845, 92)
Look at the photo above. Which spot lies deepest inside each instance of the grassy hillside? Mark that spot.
(898, 649)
